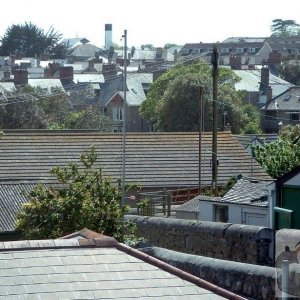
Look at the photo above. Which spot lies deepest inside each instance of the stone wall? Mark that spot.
(235, 242)
(255, 282)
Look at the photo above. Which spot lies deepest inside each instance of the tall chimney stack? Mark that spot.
(108, 36)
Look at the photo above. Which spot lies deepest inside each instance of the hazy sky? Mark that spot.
(155, 22)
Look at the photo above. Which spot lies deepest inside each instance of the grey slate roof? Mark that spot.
(152, 159)
(11, 199)
(69, 269)
(246, 191)
(289, 100)
(250, 81)
(85, 50)
(46, 84)
(193, 204)
(135, 88)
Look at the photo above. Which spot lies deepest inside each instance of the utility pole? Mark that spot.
(215, 63)
(200, 134)
(124, 117)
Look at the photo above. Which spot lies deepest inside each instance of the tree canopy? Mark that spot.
(173, 99)
(30, 40)
(289, 70)
(85, 198)
(282, 155)
(283, 28)
(32, 108)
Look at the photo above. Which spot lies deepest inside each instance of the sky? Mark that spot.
(154, 22)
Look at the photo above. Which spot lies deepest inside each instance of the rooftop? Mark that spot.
(92, 266)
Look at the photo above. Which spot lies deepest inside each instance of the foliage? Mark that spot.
(282, 155)
(147, 47)
(90, 117)
(30, 40)
(231, 182)
(85, 198)
(289, 70)
(50, 111)
(251, 121)
(163, 93)
(169, 45)
(283, 28)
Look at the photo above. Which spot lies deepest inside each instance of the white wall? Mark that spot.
(237, 214)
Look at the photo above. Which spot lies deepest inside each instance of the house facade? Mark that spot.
(281, 110)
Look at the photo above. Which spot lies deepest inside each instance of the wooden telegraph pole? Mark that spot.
(200, 134)
(215, 63)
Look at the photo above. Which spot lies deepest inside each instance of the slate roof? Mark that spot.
(247, 191)
(135, 88)
(46, 84)
(250, 82)
(152, 159)
(94, 268)
(289, 100)
(7, 86)
(95, 78)
(247, 139)
(193, 204)
(85, 50)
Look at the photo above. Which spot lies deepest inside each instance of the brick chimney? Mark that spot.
(264, 87)
(274, 58)
(66, 73)
(235, 62)
(20, 76)
(109, 71)
(264, 77)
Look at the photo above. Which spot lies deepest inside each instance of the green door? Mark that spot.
(291, 200)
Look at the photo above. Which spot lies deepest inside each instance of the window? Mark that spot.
(239, 50)
(195, 51)
(294, 116)
(118, 113)
(221, 213)
(105, 111)
(225, 50)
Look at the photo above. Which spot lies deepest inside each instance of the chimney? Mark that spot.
(66, 73)
(20, 76)
(109, 71)
(235, 62)
(264, 77)
(108, 36)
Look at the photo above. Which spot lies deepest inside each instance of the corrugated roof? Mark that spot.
(11, 199)
(152, 159)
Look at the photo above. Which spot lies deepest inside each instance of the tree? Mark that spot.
(33, 108)
(157, 107)
(90, 117)
(86, 198)
(283, 28)
(282, 155)
(30, 40)
(289, 70)
(251, 120)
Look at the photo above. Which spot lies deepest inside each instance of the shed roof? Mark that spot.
(95, 268)
(152, 159)
(11, 199)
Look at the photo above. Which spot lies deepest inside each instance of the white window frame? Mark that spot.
(118, 113)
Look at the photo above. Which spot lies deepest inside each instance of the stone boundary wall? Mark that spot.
(235, 242)
(247, 280)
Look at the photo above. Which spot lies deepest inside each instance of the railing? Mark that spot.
(160, 203)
